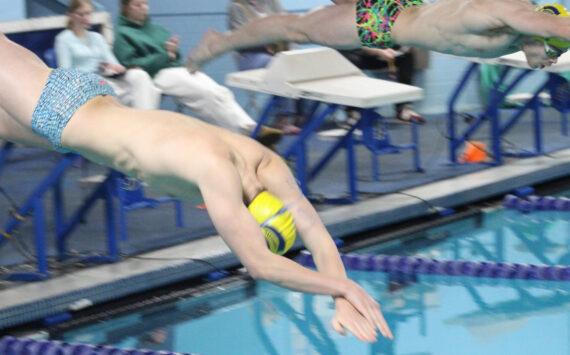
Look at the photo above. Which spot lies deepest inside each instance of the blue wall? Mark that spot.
(11, 10)
(190, 19)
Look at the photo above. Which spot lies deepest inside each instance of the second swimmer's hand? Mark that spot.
(387, 55)
(368, 307)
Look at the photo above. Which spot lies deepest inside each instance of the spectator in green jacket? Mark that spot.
(141, 43)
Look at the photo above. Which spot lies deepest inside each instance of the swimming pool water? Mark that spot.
(541, 238)
(428, 314)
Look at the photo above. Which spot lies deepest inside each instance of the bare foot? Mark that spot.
(206, 50)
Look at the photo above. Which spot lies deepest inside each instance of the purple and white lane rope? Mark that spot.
(414, 264)
(22, 346)
(536, 203)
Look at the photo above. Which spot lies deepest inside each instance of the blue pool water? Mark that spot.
(428, 314)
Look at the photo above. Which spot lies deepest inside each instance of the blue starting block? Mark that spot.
(556, 85)
(113, 186)
(130, 193)
(34, 205)
(325, 76)
(6, 148)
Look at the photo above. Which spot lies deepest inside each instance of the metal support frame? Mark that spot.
(34, 205)
(130, 194)
(378, 145)
(6, 148)
(108, 189)
(492, 114)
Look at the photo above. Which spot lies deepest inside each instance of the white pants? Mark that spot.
(207, 99)
(136, 89)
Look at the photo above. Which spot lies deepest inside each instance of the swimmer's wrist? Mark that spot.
(344, 287)
(339, 301)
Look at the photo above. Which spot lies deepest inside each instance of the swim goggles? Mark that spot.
(553, 52)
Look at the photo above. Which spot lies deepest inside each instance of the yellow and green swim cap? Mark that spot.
(275, 221)
(557, 10)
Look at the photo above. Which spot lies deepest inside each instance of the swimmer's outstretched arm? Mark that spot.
(356, 310)
(333, 26)
(222, 193)
(338, 2)
(523, 18)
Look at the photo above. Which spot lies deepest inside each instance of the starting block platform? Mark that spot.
(554, 84)
(326, 77)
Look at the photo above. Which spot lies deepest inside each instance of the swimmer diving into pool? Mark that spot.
(469, 28)
(66, 110)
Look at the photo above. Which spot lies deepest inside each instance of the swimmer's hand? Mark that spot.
(368, 308)
(387, 55)
(348, 318)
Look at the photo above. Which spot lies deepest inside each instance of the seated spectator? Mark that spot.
(241, 12)
(400, 64)
(141, 43)
(77, 47)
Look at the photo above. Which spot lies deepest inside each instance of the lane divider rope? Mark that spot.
(20, 346)
(420, 265)
(536, 203)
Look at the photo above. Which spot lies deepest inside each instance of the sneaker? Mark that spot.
(408, 115)
(269, 136)
(335, 133)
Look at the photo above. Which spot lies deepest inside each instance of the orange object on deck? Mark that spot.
(475, 152)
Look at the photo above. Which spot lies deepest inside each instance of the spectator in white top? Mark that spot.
(78, 47)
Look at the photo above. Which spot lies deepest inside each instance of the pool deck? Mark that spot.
(30, 301)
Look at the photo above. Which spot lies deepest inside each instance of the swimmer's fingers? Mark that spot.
(374, 314)
(338, 326)
(369, 308)
(349, 318)
(381, 323)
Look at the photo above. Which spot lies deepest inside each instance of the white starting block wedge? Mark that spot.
(325, 76)
(322, 74)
